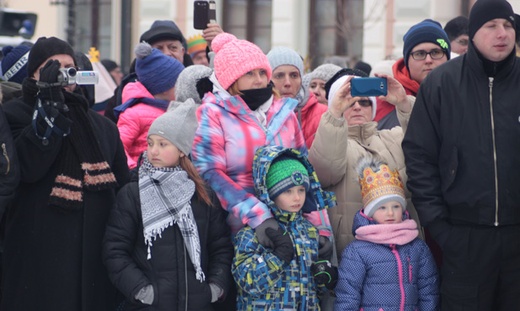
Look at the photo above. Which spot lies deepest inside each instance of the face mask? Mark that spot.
(254, 98)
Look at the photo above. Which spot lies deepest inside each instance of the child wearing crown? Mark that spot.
(387, 267)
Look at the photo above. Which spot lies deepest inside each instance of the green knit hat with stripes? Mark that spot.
(284, 174)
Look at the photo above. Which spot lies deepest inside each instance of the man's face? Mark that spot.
(495, 39)
(287, 80)
(66, 61)
(171, 48)
(460, 44)
(200, 58)
(419, 69)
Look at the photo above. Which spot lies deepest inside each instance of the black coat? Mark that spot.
(52, 257)
(463, 138)
(169, 270)
(9, 169)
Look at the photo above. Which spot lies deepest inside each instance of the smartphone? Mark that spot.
(204, 12)
(369, 86)
(200, 14)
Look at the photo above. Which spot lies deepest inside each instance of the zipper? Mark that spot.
(494, 148)
(400, 275)
(6, 156)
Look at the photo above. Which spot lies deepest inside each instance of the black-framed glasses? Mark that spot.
(362, 103)
(421, 54)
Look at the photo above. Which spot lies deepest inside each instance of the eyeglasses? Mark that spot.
(421, 54)
(362, 103)
(463, 42)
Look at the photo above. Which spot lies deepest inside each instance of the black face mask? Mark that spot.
(254, 98)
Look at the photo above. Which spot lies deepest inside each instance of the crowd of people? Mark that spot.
(220, 177)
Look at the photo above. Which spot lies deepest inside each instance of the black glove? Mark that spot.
(260, 232)
(325, 274)
(50, 89)
(283, 245)
(325, 248)
(50, 112)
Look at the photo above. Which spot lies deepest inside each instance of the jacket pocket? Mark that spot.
(5, 161)
(450, 170)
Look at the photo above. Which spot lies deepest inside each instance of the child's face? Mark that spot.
(389, 213)
(291, 200)
(162, 153)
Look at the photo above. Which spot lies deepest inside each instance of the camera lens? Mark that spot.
(71, 71)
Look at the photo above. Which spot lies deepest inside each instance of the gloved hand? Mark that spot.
(51, 111)
(260, 232)
(283, 246)
(325, 274)
(145, 295)
(49, 74)
(325, 248)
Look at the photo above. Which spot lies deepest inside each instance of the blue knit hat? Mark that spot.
(284, 174)
(156, 71)
(14, 63)
(426, 31)
(280, 56)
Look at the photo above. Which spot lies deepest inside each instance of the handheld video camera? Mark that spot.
(70, 76)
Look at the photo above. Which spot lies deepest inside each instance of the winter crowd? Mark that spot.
(219, 177)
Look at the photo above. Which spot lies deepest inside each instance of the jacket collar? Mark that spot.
(363, 131)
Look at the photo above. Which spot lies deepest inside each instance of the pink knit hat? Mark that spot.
(234, 58)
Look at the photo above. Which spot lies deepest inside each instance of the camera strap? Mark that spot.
(51, 127)
(41, 84)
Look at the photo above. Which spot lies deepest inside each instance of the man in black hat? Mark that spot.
(71, 162)
(462, 151)
(165, 36)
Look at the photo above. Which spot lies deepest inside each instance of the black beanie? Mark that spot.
(456, 27)
(485, 10)
(45, 48)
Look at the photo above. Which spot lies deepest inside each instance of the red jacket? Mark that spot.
(309, 117)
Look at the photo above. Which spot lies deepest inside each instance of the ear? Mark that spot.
(182, 155)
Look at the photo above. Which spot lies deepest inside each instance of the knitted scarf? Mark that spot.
(81, 164)
(399, 234)
(165, 200)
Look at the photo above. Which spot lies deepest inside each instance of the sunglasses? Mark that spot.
(362, 103)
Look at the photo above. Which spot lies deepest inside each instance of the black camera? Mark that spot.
(203, 12)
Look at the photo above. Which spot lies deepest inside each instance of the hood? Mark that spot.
(360, 220)
(135, 90)
(316, 199)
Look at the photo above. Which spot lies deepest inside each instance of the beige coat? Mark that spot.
(334, 158)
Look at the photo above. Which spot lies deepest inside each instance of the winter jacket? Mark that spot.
(386, 115)
(170, 270)
(463, 146)
(9, 169)
(265, 282)
(376, 277)
(334, 154)
(135, 121)
(225, 144)
(309, 117)
(52, 258)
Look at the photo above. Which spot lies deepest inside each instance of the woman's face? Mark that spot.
(254, 79)
(359, 112)
(317, 86)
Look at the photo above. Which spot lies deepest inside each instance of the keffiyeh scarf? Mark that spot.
(165, 200)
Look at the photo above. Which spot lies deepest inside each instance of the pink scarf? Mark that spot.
(400, 233)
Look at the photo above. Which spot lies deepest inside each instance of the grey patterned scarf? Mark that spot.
(165, 200)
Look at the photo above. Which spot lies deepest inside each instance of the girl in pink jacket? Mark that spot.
(145, 99)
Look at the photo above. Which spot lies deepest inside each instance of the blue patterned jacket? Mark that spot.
(265, 282)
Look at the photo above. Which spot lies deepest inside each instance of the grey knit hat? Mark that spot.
(306, 80)
(325, 72)
(178, 125)
(280, 56)
(186, 86)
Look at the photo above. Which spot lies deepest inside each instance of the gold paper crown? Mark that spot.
(379, 184)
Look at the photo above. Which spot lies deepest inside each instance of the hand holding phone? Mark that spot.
(369, 86)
